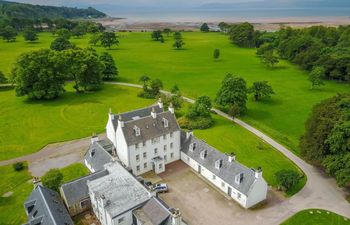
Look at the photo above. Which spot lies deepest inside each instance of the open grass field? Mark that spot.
(20, 184)
(196, 73)
(27, 126)
(316, 217)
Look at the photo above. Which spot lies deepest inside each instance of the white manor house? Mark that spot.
(150, 138)
(139, 141)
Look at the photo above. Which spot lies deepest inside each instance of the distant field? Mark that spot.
(196, 73)
(316, 217)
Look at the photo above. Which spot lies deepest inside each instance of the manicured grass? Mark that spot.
(73, 172)
(228, 137)
(11, 208)
(196, 73)
(27, 126)
(316, 217)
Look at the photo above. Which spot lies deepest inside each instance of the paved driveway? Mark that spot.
(202, 204)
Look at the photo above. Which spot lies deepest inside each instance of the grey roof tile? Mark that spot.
(48, 208)
(227, 172)
(150, 127)
(77, 190)
(154, 212)
(99, 154)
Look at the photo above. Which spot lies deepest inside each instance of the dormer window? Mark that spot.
(165, 123)
(218, 164)
(137, 130)
(204, 154)
(92, 153)
(239, 178)
(193, 146)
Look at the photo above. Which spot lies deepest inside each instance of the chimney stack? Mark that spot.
(94, 138)
(120, 121)
(175, 216)
(258, 173)
(153, 113)
(160, 103)
(171, 108)
(189, 134)
(231, 157)
(110, 114)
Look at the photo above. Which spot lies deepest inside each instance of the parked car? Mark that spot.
(148, 184)
(160, 188)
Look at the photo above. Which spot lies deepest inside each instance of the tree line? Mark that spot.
(42, 74)
(324, 49)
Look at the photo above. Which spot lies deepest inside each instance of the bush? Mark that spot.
(18, 166)
(287, 179)
(200, 123)
(52, 179)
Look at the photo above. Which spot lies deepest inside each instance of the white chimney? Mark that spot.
(120, 121)
(258, 173)
(231, 157)
(160, 103)
(171, 108)
(175, 216)
(189, 134)
(94, 138)
(153, 113)
(110, 114)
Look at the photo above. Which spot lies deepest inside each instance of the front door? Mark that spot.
(229, 191)
(199, 169)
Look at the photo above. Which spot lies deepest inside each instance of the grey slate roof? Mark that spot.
(99, 154)
(47, 208)
(227, 172)
(150, 127)
(120, 190)
(77, 190)
(154, 212)
(139, 113)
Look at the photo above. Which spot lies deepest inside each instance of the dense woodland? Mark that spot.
(318, 46)
(33, 12)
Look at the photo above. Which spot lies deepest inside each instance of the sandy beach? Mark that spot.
(126, 24)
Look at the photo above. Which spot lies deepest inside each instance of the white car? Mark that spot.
(160, 188)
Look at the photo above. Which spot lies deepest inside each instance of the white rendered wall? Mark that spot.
(122, 148)
(111, 133)
(257, 193)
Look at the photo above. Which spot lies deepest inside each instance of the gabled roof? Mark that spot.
(119, 190)
(99, 154)
(154, 212)
(227, 172)
(46, 208)
(149, 127)
(77, 190)
(136, 114)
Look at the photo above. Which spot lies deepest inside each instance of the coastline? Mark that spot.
(269, 24)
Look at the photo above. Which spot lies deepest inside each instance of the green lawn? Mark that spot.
(196, 73)
(11, 208)
(316, 217)
(27, 126)
(228, 137)
(73, 172)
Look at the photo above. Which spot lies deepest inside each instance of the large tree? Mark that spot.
(63, 33)
(85, 69)
(60, 44)
(201, 108)
(242, 35)
(261, 89)
(157, 35)
(8, 33)
(39, 75)
(110, 70)
(204, 27)
(233, 91)
(108, 39)
(287, 179)
(30, 35)
(269, 59)
(52, 179)
(179, 43)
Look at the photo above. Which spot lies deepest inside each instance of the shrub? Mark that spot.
(287, 179)
(18, 166)
(200, 123)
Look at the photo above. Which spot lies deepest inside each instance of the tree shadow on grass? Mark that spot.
(6, 88)
(277, 68)
(269, 101)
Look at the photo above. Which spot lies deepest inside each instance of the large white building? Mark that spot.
(145, 139)
(149, 138)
